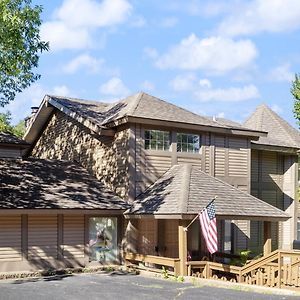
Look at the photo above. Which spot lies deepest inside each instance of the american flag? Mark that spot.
(208, 224)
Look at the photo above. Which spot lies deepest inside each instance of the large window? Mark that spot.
(188, 143)
(157, 140)
(103, 239)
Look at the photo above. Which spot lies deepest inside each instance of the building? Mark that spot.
(167, 163)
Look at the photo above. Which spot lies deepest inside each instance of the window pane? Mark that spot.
(153, 145)
(188, 143)
(147, 135)
(147, 144)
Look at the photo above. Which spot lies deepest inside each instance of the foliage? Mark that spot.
(20, 46)
(164, 272)
(241, 261)
(5, 125)
(295, 90)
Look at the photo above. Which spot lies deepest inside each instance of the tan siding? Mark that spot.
(241, 234)
(237, 157)
(157, 165)
(269, 167)
(254, 166)
(147, 239)
(190, 160)
(220, 153)
(73, 236)
(171, 238)
(207, 159)
(42, 236)
(10, 238)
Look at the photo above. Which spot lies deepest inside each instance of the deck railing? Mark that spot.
(278, 269)
(154, 261)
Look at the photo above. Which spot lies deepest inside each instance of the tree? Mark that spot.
(296, 93)
(5, 125)
(20, 47)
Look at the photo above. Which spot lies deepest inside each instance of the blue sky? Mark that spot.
(219, 58)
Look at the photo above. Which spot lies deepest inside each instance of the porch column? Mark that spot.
(182, 244)
(267, 238)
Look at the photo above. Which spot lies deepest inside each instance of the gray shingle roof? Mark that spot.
(185, 189)
(280, 133)
(8, 138)
(39, 184)
(140, 105)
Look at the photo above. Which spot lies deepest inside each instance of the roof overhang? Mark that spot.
(275, 148)
(45, 111)
(50, 211)
(191, 216)
(253, 134)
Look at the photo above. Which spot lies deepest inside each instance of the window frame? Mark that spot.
(157, 140)
(188, 146)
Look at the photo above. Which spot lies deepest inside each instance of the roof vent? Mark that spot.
(214, 118)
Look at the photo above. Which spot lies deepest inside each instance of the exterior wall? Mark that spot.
(103, 156)
(273, 179)
(10, 152)
(225, 157)
(36, 242)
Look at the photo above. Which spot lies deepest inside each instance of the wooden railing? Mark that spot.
(278, 269)
(155, 260)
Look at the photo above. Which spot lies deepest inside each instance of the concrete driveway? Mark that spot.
(117, 285)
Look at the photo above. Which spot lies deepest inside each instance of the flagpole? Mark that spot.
(186, 228)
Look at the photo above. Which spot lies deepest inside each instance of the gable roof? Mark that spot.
(10, 139)
(280, 132)
(141, 107)
(55, 184)
(186, 190)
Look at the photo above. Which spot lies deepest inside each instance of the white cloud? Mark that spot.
(75, 20)
(203, 90)
(183, 83)
(114, 87)
(213, 54)
(231, 94)
(220, 115)
(262, 16)
(169, 22)
(148, 86)
(83, 61)
(61, 90)
(138, 22)
(281, 73)
(151, 52)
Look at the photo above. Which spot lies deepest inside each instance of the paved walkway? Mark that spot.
(117, 285)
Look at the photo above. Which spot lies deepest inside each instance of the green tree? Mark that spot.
(296, 93)
(20, 47)
(5, 125)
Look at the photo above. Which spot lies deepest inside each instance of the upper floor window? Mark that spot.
(188, 143)
(157, 140)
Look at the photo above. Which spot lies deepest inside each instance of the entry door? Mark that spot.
(103, 239)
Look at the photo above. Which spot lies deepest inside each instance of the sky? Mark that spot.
(216, 58)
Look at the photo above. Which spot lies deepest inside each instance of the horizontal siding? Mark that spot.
(158, 165)
(238, 157)
(254, 166)
(189, 160)
(10, 238)
(73, 236)
(42, 237)
(220, 154)
(270, 167)
(9, 152)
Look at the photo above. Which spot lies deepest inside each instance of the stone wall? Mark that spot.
(104, 157)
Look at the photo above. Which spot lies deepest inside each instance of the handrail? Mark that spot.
(259, 262)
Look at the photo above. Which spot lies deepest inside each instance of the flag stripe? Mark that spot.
(208, 223)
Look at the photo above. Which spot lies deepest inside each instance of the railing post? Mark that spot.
(182, 244)
(267, 238)
(279, 269)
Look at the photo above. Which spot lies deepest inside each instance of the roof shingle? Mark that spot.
(185, 189)
(41, 184)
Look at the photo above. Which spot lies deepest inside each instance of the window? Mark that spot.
(103, 239)
(188, 143)
(157, 140)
